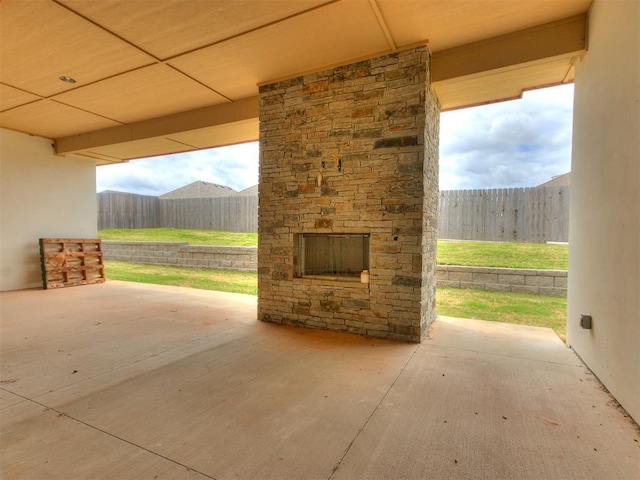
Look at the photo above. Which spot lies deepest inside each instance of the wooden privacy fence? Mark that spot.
(507, 214)
(229, 214)
(127, 210)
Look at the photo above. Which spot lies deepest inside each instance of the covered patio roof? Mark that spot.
(116, 80)
(123, 380)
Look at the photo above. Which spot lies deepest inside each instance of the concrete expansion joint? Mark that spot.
(60, 413)
(373, 412)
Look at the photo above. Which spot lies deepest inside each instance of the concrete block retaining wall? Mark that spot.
(516, 280)
(183, 255)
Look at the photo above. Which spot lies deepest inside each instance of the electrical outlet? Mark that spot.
(585, 321)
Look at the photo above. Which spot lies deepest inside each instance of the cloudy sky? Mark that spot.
(521, 143)
(235, 166)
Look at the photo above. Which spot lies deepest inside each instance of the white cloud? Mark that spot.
(520, 143)
(235, 166)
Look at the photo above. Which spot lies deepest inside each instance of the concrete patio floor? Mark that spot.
(133, 381)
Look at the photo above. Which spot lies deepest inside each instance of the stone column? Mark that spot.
(351, 150)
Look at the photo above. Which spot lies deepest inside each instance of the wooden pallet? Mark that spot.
(67, 262)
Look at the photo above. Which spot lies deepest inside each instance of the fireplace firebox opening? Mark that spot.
(343, 256)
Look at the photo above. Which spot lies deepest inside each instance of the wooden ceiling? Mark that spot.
(164, 76)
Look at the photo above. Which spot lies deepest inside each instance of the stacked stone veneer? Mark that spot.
(370, 131)
(516, 280)
(182, 255)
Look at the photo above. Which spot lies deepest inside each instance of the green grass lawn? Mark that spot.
(503, 254)
(192, 237)
(505, 307)
(204, 279)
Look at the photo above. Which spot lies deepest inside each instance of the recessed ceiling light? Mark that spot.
(64, 78)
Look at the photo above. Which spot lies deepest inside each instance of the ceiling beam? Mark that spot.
(383, 24)
(487, 61)
(567, 37)
(217, 115)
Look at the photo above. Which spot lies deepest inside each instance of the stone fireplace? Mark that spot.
(349, 183)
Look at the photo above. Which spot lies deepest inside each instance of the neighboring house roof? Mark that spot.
(117, 192)
(247, 192)
(200, 189)
(557, 181)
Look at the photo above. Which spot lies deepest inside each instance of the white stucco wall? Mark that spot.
(604, 232)
(41, 195)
